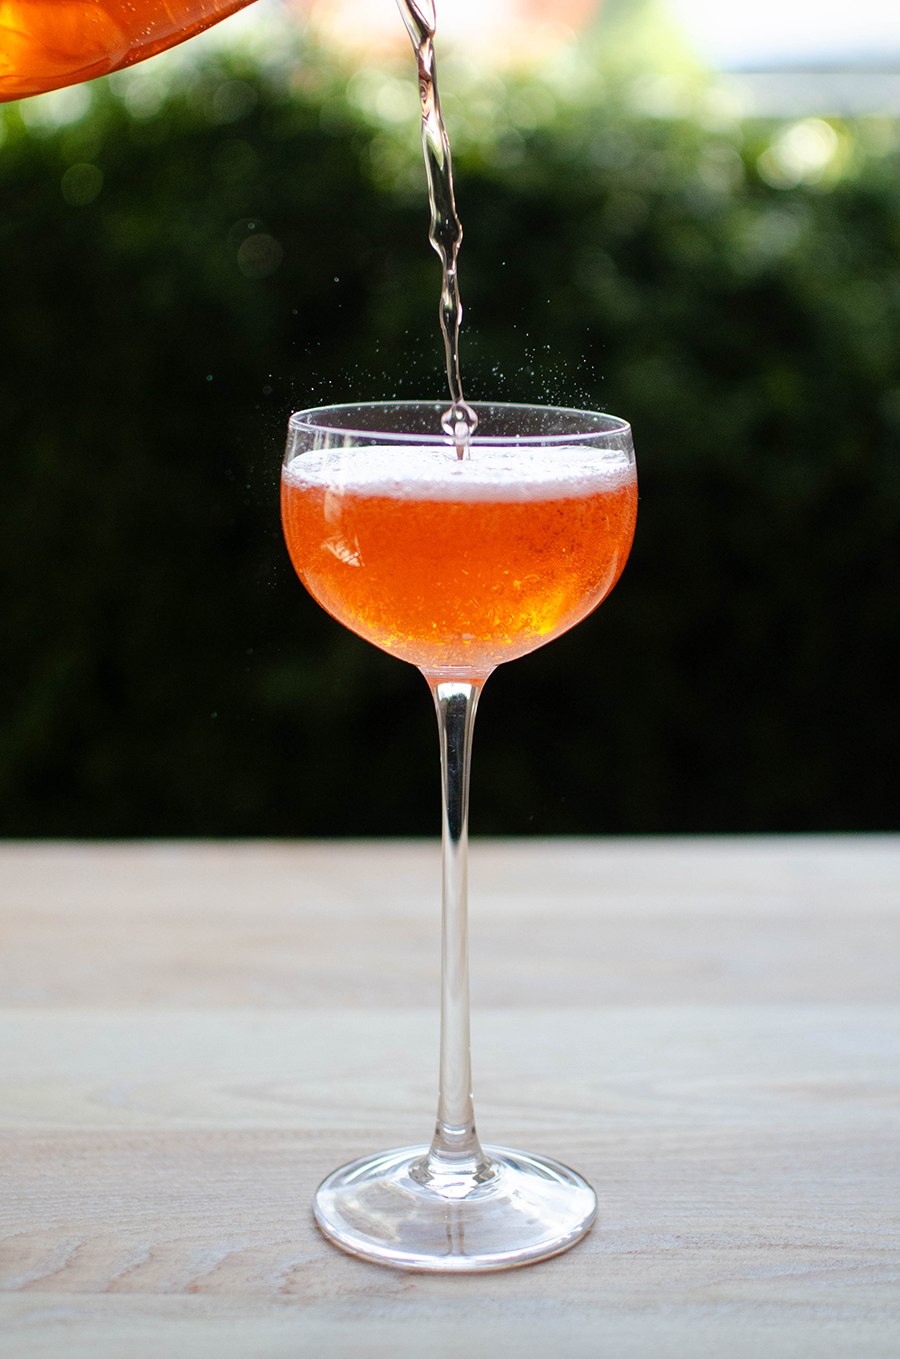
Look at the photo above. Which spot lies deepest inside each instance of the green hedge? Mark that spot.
(179, 272)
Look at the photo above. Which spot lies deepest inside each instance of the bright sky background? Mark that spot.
(729, 34)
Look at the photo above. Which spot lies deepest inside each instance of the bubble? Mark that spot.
(241, 229)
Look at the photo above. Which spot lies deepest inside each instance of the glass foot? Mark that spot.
(520, 1209)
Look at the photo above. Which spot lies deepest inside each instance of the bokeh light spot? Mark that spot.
(81, 184)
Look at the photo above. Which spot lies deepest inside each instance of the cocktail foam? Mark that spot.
(487, 472)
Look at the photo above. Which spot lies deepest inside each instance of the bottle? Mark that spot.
(45, 44)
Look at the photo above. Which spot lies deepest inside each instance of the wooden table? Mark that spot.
(193, 1034)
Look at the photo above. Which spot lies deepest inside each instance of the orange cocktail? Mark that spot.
(459, 564)
(457, 539)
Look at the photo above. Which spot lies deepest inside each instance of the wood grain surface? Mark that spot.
(192, 1035)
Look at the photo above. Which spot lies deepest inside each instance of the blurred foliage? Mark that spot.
(182, 264)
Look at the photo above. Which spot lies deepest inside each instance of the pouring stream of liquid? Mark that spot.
(445, 232)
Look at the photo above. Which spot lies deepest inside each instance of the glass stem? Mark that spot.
(456, 1158)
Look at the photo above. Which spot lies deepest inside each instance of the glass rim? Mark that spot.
(594, 425)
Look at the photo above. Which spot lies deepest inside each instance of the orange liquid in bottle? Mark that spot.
(457, 581)
(48, 43)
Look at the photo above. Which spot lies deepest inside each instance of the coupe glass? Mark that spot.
(456, 557)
